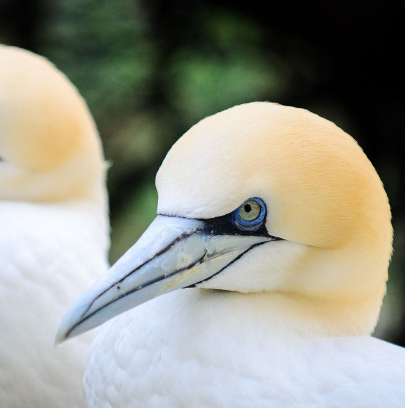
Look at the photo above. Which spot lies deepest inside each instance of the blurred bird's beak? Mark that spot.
(173, 253)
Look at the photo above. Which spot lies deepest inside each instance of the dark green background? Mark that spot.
(151, 69)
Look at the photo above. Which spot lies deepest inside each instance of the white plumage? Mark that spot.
(196, 349)
(278, 226)
(54, 229)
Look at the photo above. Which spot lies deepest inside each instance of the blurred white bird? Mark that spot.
(283, 212)
(54, 228)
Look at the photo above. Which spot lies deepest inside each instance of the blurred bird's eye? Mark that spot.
(250, 210)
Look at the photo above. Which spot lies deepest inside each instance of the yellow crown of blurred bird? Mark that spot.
(278, 229)
(54, 228)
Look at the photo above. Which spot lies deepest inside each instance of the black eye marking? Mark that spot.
(233, 224)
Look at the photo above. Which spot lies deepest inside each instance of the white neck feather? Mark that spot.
(277, 315)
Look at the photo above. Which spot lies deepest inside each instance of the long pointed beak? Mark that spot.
(173, 253)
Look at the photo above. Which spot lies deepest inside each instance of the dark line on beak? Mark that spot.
(230, 263)
(151, 282)
(181, 237)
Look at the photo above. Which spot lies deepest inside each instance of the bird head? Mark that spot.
(259, 198)
(49, 146)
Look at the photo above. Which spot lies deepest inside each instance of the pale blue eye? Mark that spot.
(251, 214)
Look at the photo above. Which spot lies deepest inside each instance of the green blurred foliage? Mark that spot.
(103, 49)
(133, 218)
(227, 67)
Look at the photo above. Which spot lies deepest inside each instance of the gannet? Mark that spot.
(54, 228)
(278, 229)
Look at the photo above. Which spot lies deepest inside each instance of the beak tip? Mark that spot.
(61, 336)
(72, 322)
(65, 329)
(58, 343)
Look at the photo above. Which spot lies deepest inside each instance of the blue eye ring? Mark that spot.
(254, 224)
